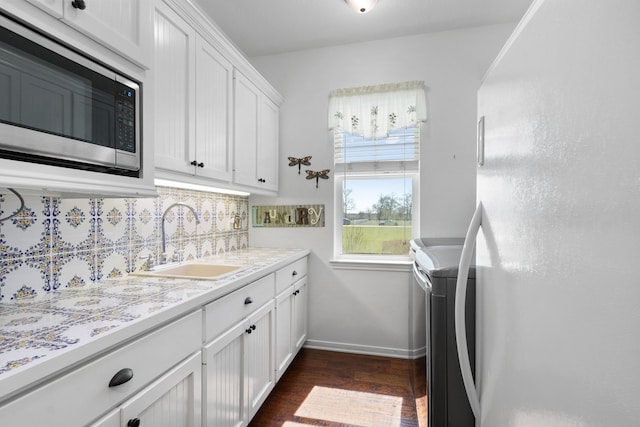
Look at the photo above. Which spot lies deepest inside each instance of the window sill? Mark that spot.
(382, 263)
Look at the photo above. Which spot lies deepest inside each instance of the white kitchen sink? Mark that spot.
(191, 271)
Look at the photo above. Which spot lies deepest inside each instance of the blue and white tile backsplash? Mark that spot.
(63, 243)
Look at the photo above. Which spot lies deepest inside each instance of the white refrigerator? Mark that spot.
(558, 251)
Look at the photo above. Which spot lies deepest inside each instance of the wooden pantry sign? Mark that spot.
(288, 216)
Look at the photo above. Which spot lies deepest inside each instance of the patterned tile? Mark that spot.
(34, 328)
(27, 233)
(111, 264)
(71, 270)
(74, 225)
(206, 212)
(61, 244)
(222, 215)
(206, 245)
(113, 224)
(20, 281)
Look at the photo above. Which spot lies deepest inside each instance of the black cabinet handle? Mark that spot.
(253, 327)
(79, 4)
(194, 163)
(248, 330)
(261, 180)
(121, 377)
(133, 422)
(200, 165)
(295, 273)
(248, 300)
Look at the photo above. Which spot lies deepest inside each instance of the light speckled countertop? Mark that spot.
(45, 335)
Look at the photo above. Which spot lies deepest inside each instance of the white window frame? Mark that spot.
(367, 261)
(373, 112)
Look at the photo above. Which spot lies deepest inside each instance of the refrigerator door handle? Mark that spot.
(460, 326)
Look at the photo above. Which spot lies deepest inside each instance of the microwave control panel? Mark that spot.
(125, 119)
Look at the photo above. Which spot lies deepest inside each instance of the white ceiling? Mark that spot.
(264, 27)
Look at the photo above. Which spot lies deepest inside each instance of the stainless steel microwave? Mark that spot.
(62, 108)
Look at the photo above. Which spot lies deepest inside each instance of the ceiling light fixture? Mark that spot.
(361, 6)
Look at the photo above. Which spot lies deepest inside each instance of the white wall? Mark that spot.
(368, 310)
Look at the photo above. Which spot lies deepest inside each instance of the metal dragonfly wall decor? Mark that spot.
(299, 161)
(302, 161)
(324, 174)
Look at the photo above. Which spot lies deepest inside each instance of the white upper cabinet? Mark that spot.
(193, 100)
(174, 90)
(268, 143)
(246, 102)
(214, 76)
(121, 25)
(256, 127)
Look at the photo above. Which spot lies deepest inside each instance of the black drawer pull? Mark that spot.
(121, 377)
(134, 422)
(248, 300)
(79, 4)
(295, 273)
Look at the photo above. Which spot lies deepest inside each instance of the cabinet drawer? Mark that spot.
(82, 395)
(286, 276)
(223, 313)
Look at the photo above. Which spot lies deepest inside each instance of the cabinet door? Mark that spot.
(122, 25)
(52, 7)
(174, 91)
(259, 354)
(300, 313)
(284, 330)
(171, 401)
(212, 114)
(112, 419)
(268, 140)
(246, 105)
(224, 379)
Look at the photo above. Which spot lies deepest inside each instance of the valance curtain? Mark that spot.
(374, 111)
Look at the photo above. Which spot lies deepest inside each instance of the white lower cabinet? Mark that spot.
(239, 354)
(238, 370)
(300, 314)
(291, 313)
(78, 397)
(168, 378)
(224, 379)
(260, 375)
(284, 328)
(171, 401)
(291, 324)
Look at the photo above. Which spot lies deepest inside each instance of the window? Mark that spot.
(376, 134)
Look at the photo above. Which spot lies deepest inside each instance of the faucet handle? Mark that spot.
(148, 265)
(177, 254)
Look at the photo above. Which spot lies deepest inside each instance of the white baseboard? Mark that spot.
(365, 349)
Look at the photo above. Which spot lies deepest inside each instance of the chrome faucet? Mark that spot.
(164, 234)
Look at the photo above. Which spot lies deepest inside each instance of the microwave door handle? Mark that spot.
(460, 325)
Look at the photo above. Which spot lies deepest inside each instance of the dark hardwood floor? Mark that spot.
(325, 388)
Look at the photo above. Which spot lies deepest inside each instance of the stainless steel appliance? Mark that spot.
(556, 230)
(62, 108)
(435, 269)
